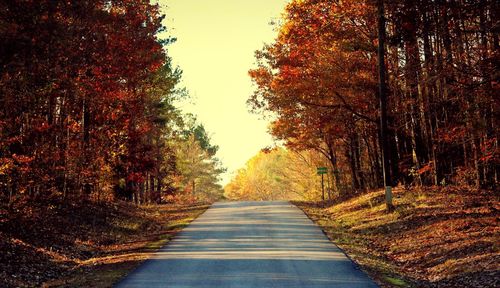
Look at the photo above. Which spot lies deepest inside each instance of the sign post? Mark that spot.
(322, 171)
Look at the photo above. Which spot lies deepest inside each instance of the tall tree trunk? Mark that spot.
(383, 105)
(159, 187)
(336, 173)
(86, 144)
(428, 91)
(152, 192)
(193, 185)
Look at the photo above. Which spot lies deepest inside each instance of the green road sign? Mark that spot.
(322, 170)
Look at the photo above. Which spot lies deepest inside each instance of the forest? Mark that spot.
(88, 107)
(319, 84)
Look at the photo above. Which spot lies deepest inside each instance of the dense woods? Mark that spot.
(87, 105)
(318, 81)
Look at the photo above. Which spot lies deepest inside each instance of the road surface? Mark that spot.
(249, 244)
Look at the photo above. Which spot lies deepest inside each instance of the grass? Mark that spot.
(396, 282)
(435, 237)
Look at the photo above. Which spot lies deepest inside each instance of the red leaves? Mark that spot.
(135, 177)
(42, 127)
(21, 159)
(426, 168)
(318, 55)
(452, 135)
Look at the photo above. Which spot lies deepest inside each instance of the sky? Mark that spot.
(216, 41)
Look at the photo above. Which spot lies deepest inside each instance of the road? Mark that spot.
(249, 244)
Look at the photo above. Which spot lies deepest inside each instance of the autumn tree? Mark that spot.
(199, 169)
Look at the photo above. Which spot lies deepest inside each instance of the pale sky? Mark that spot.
(216, 40)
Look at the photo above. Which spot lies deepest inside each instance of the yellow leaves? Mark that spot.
(19, 162)
(6, 164)
(275, 174)
(285, 30)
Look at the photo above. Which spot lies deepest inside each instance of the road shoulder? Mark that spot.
(435, 238)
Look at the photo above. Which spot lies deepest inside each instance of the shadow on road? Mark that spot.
(249, 244)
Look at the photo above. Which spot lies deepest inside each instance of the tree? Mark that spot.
(198, 168)
(383, 106)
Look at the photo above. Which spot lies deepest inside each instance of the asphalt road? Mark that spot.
(249, 244)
